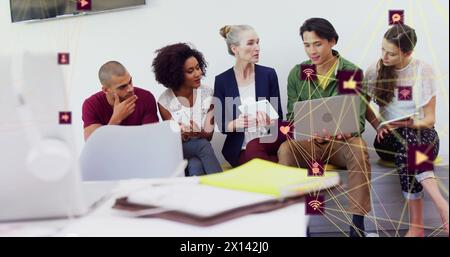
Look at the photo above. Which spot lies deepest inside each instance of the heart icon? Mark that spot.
(285, 129)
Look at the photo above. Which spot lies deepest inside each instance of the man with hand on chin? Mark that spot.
(119, 102)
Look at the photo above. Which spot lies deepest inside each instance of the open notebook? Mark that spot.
(270, 178)
(258, 186)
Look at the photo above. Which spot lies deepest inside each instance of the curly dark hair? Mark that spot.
(169, 62)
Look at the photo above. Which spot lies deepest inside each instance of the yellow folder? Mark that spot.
(266, 177)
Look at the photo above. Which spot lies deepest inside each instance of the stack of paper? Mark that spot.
(199, 200)
(255, 187)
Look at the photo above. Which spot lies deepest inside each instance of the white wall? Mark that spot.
(132, 36)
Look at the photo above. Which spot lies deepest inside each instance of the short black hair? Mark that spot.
(322, 27)
(110, 69)
(169, 63)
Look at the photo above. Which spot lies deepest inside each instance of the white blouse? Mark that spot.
(247, 95)
(417, 76)
(182, 114)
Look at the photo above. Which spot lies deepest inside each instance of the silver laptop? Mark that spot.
(39, 174)
(337, 114)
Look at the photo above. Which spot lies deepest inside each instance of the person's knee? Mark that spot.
(284, 149)
(357, 154)
(358, 147)
(203, 143)
(204, 146)
(406, 133)
(195, 167)
(358, 142)
(254, 145)
(285, 154)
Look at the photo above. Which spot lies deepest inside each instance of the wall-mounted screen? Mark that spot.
(25, 10)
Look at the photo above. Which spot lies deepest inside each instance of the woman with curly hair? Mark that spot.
(180, 68)
(402, 85)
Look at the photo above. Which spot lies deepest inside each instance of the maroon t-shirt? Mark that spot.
(97, 110)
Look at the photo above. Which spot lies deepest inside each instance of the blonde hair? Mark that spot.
(232, 35)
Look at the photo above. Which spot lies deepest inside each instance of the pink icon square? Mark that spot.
(315, 204)
(349, 81)
(84, 5)
(308, 72)
(65, 117)
(316, 168)
(63, 58)
(420, 158)
(405, 93)
(396, 17)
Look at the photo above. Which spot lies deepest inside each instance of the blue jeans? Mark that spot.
(201, 157)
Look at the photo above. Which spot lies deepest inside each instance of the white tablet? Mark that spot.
(261, 106)
(411, 115)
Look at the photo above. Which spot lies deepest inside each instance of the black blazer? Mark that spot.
(225, 85)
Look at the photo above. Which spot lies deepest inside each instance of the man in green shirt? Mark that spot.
(349, 151)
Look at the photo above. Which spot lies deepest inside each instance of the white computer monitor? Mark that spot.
(133, 152)
(39, 174)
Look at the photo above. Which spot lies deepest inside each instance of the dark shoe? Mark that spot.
(354, 233)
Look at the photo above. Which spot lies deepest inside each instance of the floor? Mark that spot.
(390, 233)
(389, 214)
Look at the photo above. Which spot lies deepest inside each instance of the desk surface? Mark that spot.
(104, 221)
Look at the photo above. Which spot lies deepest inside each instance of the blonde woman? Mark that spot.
(245, 83)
